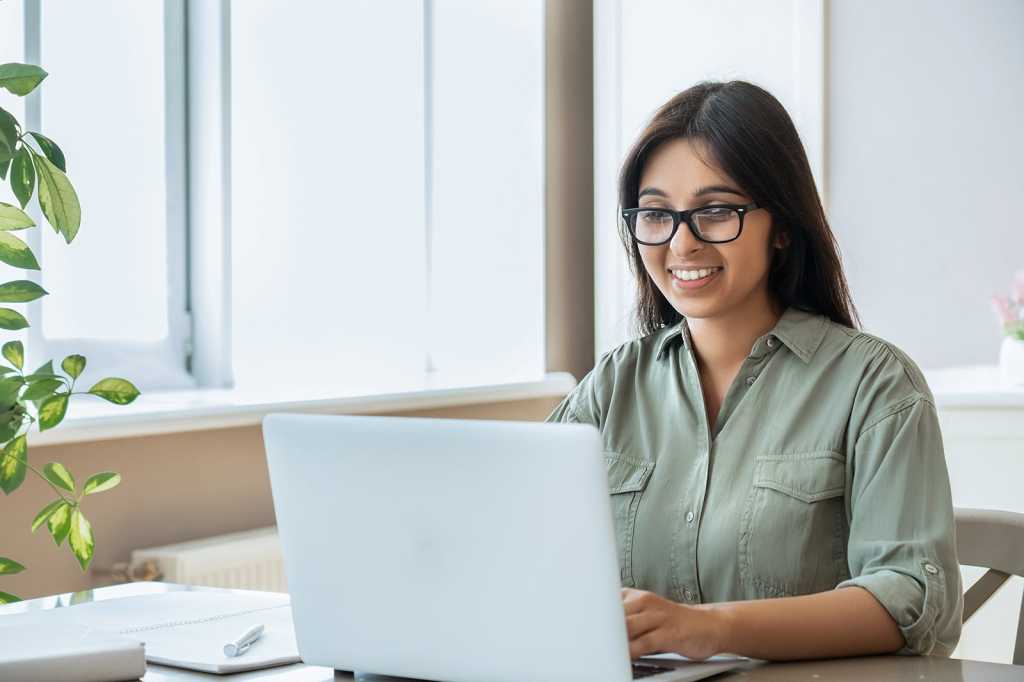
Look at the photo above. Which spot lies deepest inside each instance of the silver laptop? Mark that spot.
(468, 551)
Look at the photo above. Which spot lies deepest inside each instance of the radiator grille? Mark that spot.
(249, 560)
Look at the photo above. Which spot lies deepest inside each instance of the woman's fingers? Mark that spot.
(645, 645)
(634, 601)
(641, 623)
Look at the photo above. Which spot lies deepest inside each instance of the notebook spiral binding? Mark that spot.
(197, 621)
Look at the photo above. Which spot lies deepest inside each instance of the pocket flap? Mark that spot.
(809, 477)
(625, 474)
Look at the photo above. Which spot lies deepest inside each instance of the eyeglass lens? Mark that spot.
(714, 224)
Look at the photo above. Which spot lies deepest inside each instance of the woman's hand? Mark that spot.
(657, 625)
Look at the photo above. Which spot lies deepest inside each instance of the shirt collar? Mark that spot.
(802, 332)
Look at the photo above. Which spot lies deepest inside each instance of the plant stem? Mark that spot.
(37, 473)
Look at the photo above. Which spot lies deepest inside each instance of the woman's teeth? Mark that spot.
(688, 275)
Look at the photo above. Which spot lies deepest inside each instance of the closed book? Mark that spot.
(67, 653)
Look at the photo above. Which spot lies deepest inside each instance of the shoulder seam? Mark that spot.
(894, 409)
(896, 356)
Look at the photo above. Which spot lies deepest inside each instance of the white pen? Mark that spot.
(242, 644)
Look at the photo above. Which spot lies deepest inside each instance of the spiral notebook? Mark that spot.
(189, 629)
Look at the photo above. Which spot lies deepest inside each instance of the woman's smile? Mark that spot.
(688, 279)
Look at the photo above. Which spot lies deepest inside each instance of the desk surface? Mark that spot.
(927, 668)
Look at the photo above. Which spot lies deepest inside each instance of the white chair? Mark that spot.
(993, 540)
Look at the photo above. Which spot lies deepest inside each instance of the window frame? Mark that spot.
(160, 364)
(197, 352)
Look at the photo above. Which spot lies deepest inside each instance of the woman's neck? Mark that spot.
(723, 342)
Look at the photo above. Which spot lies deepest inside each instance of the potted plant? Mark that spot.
(35, 165)
(1010, 311)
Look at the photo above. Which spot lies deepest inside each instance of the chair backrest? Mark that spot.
(994, 540)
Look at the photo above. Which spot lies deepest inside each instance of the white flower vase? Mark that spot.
(1011, 362)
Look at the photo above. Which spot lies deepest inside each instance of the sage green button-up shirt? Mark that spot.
(825, 469)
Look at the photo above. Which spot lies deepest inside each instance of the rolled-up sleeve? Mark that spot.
(902, 545)
(581, 405)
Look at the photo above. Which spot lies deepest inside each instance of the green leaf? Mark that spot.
(81, 538)
(21, 79)
(12, 319)
(58, 474)
(42, 388)
(8, 598)
(15, 252)
(101, 482)
(52, 411)
(51, 150)
(21, 291)
(73, 365)
(9, 426)
(12, 468)
(10, 566)
(115, 390)
(14, 352)
(4, 165)
(23, 175)
(58, 199)
(6, 152)
(10, 386)
(44, 514)
(45, 371)
(59, 522)
(8, 129)
(13, 218)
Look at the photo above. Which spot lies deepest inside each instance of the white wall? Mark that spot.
(925, 163)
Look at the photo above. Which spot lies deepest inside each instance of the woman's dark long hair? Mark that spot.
(753, 140)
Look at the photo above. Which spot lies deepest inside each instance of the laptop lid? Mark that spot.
(471, 551)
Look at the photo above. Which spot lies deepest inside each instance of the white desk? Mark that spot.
(839, 670)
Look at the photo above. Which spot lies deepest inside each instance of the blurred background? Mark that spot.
(309, 197)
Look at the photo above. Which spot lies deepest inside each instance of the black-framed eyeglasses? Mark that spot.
(713, 224)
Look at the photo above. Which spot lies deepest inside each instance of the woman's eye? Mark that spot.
(654, 217)
(716, 213)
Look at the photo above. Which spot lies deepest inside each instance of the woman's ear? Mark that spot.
(781, 240)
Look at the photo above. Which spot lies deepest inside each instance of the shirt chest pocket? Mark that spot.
(627, 478)
(793, 530)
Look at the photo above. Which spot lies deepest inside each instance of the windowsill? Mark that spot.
(163, 412)
(973, 386)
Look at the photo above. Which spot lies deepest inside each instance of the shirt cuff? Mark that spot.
(913, 602)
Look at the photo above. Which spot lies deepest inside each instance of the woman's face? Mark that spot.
(676, 176)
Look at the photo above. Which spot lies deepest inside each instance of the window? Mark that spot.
(117, 293)
(294, 193)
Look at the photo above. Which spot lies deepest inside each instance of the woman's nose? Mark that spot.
(683, 242)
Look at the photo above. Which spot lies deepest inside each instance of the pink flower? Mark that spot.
(1018, 287)
(1001, 305)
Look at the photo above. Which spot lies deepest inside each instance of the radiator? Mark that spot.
(249, 560)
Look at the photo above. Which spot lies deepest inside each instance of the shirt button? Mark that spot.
(687, 595)
(931, 569)
(750, 381)
(771, 342)
(689, 517)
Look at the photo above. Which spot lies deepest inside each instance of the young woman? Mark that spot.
(777, 476)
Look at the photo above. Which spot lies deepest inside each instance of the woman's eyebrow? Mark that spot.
(710, 189)
(717, 189)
